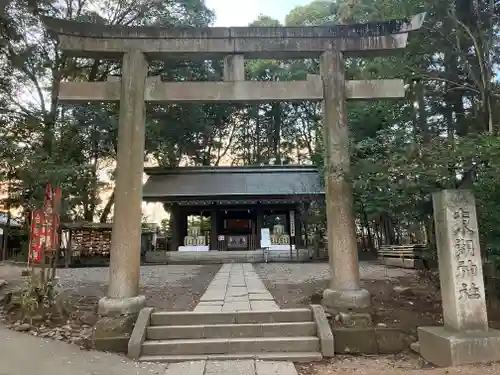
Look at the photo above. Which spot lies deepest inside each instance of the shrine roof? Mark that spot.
(185, 183)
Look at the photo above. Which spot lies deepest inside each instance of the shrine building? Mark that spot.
(240, 202)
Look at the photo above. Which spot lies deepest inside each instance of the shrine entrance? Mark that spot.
(238, 202)
(136, 47)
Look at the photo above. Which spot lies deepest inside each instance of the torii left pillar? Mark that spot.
(124, 270)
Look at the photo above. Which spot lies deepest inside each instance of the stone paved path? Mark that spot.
(236, 287)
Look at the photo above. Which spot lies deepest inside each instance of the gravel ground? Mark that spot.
(168, 287)
(296, 273)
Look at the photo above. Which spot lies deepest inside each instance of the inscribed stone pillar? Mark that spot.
(465, 337)
(234, 68)
(344, 292)
(124, 268)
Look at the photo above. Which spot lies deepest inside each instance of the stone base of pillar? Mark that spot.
(347, 301)
(112, 333)
(116, 323)
(120, 306)
(445, 347)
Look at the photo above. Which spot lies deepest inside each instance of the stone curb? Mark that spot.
(139, 333)
(324, 331)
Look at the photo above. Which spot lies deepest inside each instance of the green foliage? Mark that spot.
(442, 135)
(38, 299)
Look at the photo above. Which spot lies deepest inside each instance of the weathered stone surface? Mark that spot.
(255, 42)
(460, 263)
(465, 337)
(373, 89)
(355, 340)
(444, 348)
(415, 346)
(139, 333)
(113, 333)
(232, 91)
(344, 292)
(111, 326)
(124, 266)
(391, 340)
(234, 68)
(111, 344)
(324, 331)
(369, 340)
(355, 319)
(120, 306)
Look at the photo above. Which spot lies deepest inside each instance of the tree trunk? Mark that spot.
(107, 209)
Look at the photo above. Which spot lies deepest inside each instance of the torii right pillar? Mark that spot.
(344, 294)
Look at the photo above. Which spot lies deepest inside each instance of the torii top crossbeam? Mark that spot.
(105, 41)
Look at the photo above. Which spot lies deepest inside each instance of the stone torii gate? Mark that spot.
(135, 46)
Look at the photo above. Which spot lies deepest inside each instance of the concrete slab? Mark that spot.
(236, 306)
(274, 368)
(212, 297)
(260, 297)
(186, 368)
(237, 299)
(236, 291)
(243, 367)
(208, 308)
(263, 305)
(211, 303)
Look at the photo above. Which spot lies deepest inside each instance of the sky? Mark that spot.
(243, 12)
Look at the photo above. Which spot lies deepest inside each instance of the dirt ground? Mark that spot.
(171, 287)
(402, 364)
(403, 300)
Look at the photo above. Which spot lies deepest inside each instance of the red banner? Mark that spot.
(45, 226)
(37, 236)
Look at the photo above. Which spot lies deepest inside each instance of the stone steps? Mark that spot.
(204, 331)
(273, 356)
(231, 346)
(279, 335)
(240, 317)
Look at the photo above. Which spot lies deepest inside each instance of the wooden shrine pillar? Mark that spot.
(258, 224)
(214, 229)
(174, 228)
(298, 229)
